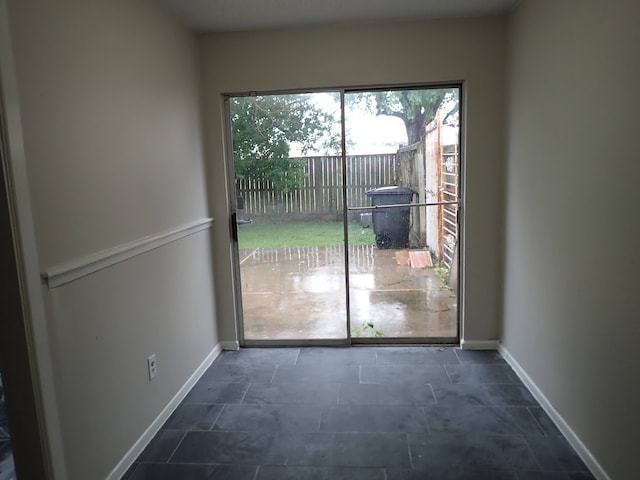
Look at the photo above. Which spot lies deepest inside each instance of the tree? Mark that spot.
(264, 128)
(416, 108)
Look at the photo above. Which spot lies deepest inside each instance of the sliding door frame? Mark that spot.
(233, 232)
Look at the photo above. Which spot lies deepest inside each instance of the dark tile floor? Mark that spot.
(7, 471)
(374, 413)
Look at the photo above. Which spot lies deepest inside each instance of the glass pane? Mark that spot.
(288, 172)
(402, 149)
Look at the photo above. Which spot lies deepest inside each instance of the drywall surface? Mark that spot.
(571, 267)
(104, 328)
(111, 113)
(471, 51)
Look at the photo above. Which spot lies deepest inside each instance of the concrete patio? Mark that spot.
(299, 293)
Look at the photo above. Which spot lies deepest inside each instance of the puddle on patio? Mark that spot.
(299, 293)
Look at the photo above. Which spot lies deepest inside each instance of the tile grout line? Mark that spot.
(244, 394)
(426, 419)
(533, 454)
(433, 393)
(535, 420)
(295, 362)
(274, 373)
(406, 435)
(224, 405)
(177, 446)
(448, 375)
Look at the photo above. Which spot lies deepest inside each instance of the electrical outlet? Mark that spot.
(152, 366)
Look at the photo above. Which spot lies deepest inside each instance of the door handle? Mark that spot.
(234, 226)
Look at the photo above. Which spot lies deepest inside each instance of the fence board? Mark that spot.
(450, 171)
(321, 192)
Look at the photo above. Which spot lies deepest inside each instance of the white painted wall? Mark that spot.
(470, 50)
(111, 108)
(572, 288)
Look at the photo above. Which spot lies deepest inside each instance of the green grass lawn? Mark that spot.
(302, 234)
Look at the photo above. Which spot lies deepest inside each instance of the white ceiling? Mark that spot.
(235, 15)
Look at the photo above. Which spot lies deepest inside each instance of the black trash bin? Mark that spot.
(391, 225)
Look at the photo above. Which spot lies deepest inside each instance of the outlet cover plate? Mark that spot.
(152, 366)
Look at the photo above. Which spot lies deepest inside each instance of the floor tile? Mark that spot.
(305, 393)
(554, 453)
(543, 476)
(317, 356)
(7, 467)
(373, 418)
(488, 420)
(236, 448)
(154, 471)
(6, 454)
(270, 418)
(545, 422)
(372, 412)
(128, 475)
(319, 473)
(416, 355)
(479, 356)
(581, 476)
(490, 394)
(351, 450)
(386, 394)
(193, 416)
(161, 446)
(508, 395)
(208, 392)
(478, 373)
(555, 476)
(239, 373)
(403, 374)
(260, 356)
(471, 451)
(449, 473)
(460, 395)
(317, 374)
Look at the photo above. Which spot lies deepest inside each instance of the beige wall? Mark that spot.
(571, 267)
(110, 104)
(380, 54)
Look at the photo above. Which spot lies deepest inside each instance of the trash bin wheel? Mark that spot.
(383, 241)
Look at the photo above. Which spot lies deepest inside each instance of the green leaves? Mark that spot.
(416, 108)
(265, 127)
(368, 329)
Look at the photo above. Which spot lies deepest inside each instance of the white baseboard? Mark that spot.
(155, 426)
(479, 344)
(230, 346)
(580, 448)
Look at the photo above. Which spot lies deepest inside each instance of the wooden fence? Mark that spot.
(432, 169)
(449, 192)
(320, 196)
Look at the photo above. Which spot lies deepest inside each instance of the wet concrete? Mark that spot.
(299, 293)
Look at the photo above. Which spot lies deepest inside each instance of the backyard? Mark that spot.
(294, 184)
(293, 286)
(302, 234)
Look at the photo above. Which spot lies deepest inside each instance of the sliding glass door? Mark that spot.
(346, 222)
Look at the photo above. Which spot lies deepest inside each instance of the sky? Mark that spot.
(366, 133)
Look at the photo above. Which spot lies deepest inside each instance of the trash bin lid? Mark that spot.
(393, 190)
